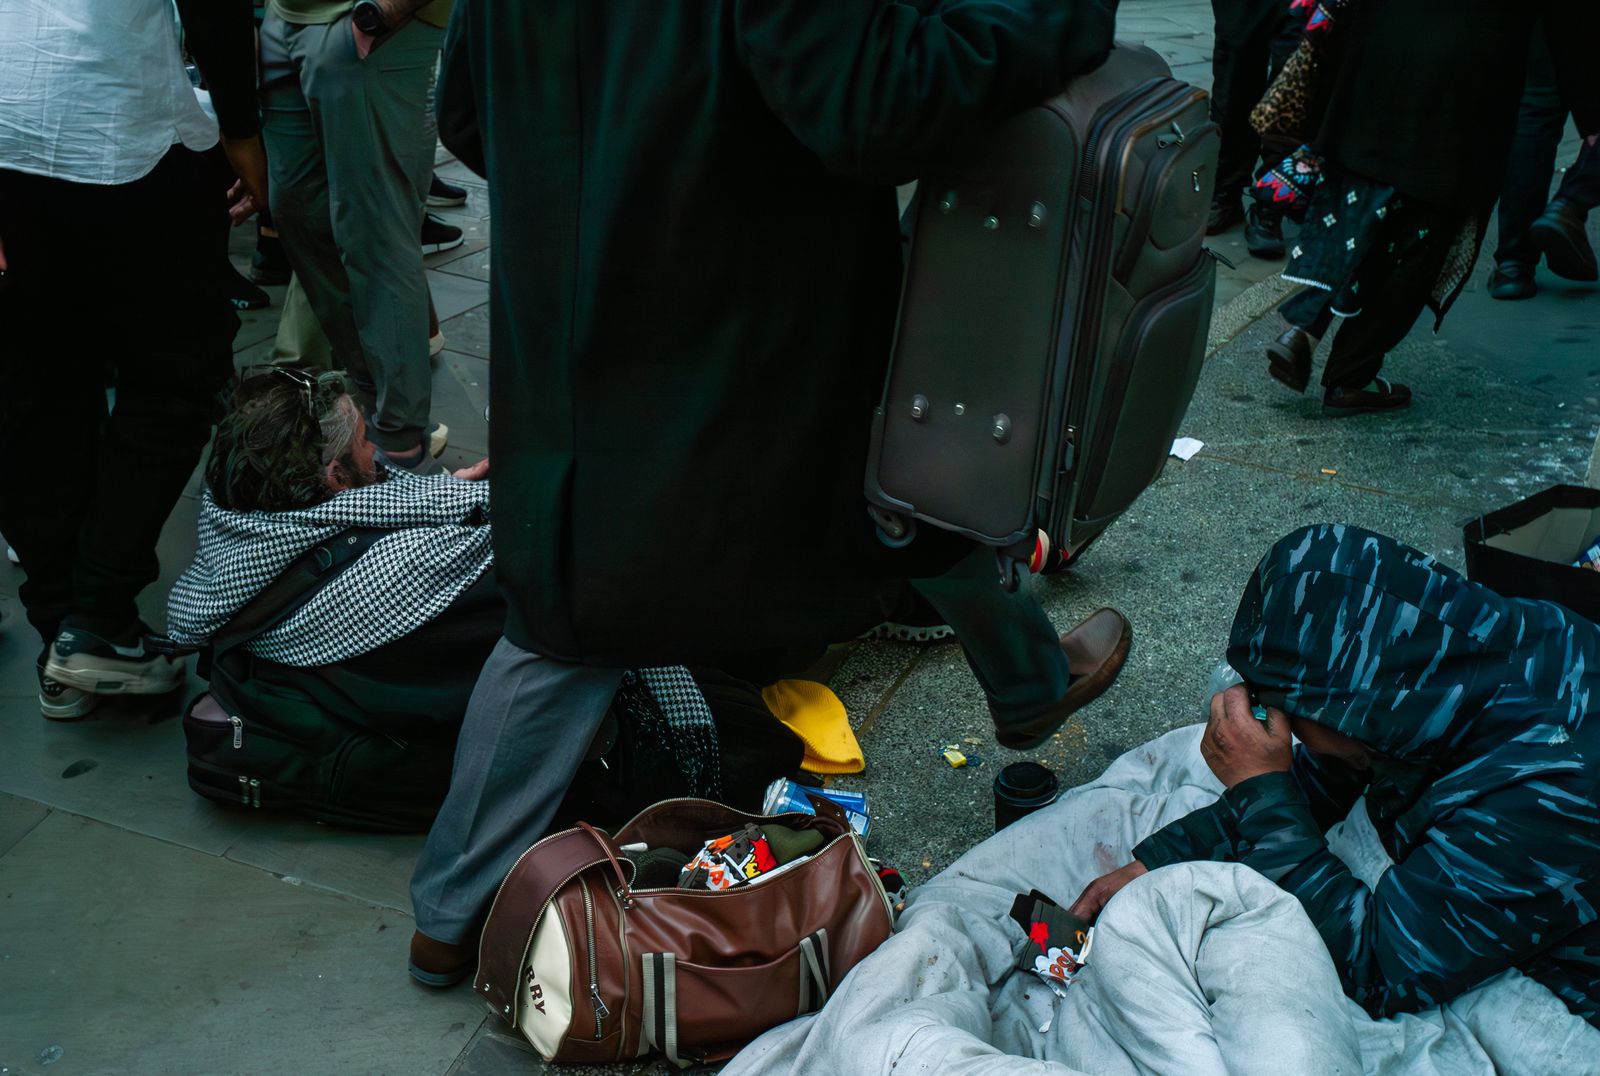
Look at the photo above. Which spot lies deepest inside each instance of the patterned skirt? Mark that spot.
(1357, 233)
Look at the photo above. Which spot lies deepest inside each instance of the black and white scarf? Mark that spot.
(439, 546)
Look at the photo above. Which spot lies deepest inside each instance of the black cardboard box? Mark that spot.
(1526, 550)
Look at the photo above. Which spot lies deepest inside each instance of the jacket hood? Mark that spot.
(1379, 641)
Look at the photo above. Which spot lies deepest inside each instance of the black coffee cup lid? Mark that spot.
(1026, 783)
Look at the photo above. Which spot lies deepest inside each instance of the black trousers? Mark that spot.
(138, 306)
(1560, 82)
(1394, 293)
(1253, 39)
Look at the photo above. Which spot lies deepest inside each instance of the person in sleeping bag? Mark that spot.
(1469, 721)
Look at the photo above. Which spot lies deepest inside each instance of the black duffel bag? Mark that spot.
(368, 742)
(1528, 549)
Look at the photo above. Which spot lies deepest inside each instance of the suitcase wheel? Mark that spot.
(894, 530)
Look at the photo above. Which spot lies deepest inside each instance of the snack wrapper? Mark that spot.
(728, 861)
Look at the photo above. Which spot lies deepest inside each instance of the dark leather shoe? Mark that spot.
(1560, 233)
(439, 964)
(1289, 358)
(1226, 211)
(1511, 281)
(1096, 650)
(1263, 233)
(1338, 403)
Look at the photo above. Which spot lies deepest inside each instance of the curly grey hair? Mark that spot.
(282, 430)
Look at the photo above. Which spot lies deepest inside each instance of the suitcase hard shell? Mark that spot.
(1053, 319)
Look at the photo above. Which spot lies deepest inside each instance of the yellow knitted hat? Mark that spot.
(816, 715)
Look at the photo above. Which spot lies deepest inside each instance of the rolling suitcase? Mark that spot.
(1053, 319)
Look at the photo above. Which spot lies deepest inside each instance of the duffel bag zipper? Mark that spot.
(600, 1010)
(238, 732)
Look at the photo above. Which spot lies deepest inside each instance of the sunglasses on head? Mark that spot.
(307, 383)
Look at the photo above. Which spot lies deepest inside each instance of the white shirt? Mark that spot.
(94, 91)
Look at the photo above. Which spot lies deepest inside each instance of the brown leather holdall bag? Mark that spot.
(589, 968)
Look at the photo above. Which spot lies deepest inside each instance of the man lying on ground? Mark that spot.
(1465, 719)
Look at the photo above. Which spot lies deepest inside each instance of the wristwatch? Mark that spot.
(368, 18)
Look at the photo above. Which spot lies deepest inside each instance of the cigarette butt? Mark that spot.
(1330, 470)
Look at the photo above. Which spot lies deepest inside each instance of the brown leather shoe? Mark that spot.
(1096, 650)
(1289, 358)
(440, 964)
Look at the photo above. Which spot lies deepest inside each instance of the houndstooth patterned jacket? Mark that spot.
(439, 547)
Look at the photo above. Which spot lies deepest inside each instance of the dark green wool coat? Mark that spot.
(693, 288)
(1487, 712)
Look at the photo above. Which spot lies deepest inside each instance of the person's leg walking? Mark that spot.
(1396, 292)
(1032, 677)
(527, 728)
(300, 200)
(1240, 55)
(1580, 185)
(1009, 641)
(300, 340)
(1308, 314)
(370, 117)
(1531, 166)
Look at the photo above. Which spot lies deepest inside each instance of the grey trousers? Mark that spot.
(527, 728)
(531, 719)
(349, 166)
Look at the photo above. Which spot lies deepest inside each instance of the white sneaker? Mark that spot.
(58, 702)
(83, 660)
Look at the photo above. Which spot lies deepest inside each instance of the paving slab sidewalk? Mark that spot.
(144, 931)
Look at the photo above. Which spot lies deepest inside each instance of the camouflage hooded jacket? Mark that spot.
(1484, 710)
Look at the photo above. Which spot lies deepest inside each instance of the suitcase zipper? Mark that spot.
(1102, 234)
(255, 792)
(1089, 193)
(600, 1010)
(244, 790)
(238, 732)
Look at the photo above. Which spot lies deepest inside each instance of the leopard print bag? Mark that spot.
(1285, 113)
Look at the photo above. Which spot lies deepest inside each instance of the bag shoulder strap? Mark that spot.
(294, 586)
(531, 885)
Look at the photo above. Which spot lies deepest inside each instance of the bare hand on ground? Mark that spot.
(1094, 897)
(1237, 746)
(478, 472)
(249, 160)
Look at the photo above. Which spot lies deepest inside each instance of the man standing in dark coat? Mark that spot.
(693, 291)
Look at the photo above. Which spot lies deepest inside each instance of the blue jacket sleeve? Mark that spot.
(1497, 885)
